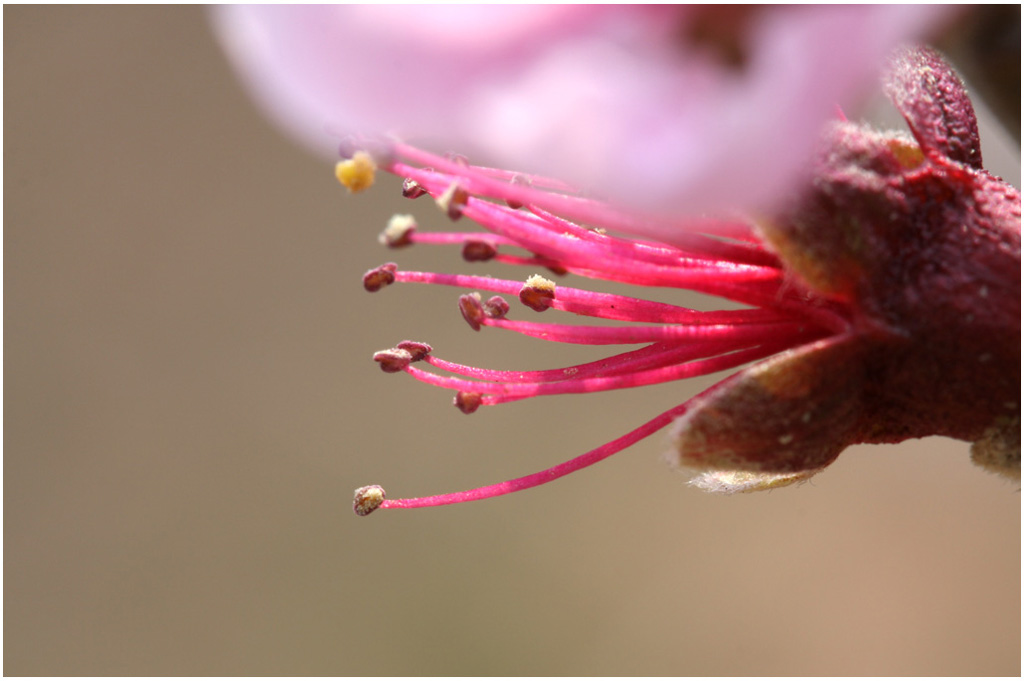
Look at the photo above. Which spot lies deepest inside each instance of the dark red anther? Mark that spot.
(379, 277)
(411, 189)
(537, 293)
(472, 309)
(557, 270)
(399, 231)
(453, 201)
(496, 307)
(478, 251)
(415, 349)
(467, 402)
(392, 361)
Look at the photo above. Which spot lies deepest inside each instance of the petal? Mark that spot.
(608, 98)
(326, 71)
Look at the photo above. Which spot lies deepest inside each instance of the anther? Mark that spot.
(496, 307)
(472, 309)
(411, 189)
(415, 349)
(399, 231)
(356, 173)
(379, 277)
(519, 181)
(467, 402)
(368, 499)
(537, 293)
(478, 251)
(453, 201)
(557, 270)
(392, 361)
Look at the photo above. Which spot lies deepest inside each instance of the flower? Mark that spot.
(883, 300)
(666, 109)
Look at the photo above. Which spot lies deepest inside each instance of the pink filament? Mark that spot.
(656, 354)
(449, 238)
(623, 335)
(633, 379)
(576, 208)
(568, 243)
(603, 305)
(553, 473)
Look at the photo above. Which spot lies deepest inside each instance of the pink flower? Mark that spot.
(882, 276)
(665, 109)
(884, 301)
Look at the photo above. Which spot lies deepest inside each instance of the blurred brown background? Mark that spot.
(190, 401)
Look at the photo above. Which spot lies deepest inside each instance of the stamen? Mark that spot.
(399, 231)
(656, 354)
(583, 461)
(368, 499)
(399, 357)
(453, 201)
(602, 305)
(650, 356)
(496, 307)
(752, 284)
(625, 335)
(535, 261)
(537, 293)
(633, 379)
(379, 277)
(478, 251)
(472, 310)
(588, 211)
(392, 361)
(700, 246)
(356, 173)
(538, 217)
(518, 180)
(411, 189)
(415, 349)
(467, 402)
(595, 260)
(437, 183)
(450, 238)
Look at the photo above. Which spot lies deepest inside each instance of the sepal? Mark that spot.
(775, 423)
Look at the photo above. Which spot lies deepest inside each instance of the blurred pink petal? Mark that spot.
(615, 99)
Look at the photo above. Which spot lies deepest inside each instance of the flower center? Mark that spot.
(543, 224)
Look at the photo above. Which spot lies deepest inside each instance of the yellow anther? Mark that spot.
(356, 173)
(541, 284)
